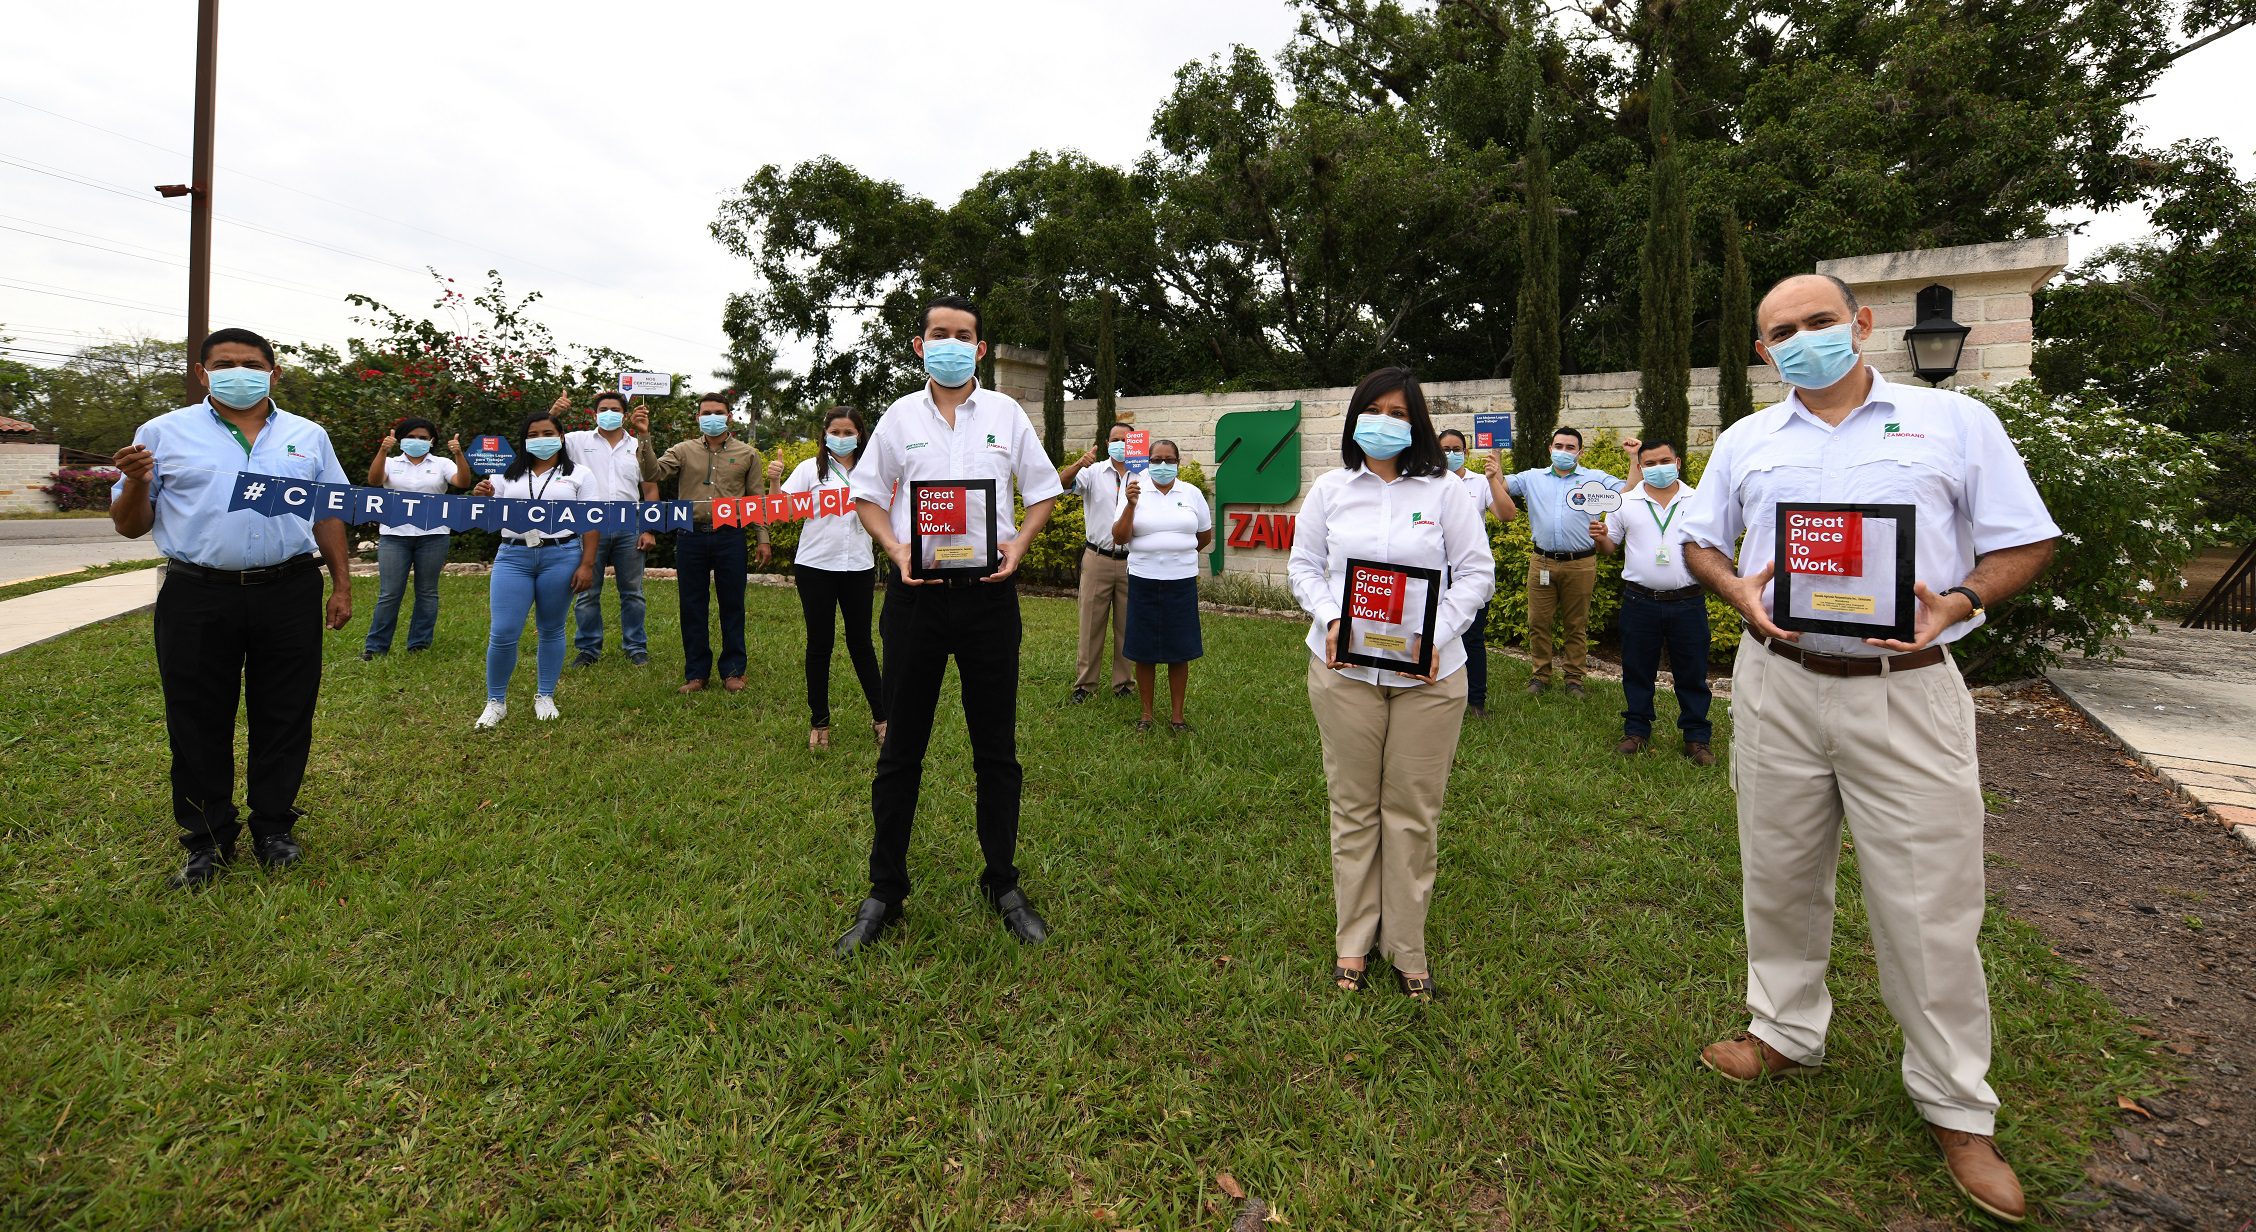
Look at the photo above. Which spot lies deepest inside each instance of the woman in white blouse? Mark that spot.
(534, 570)
(1388, 735)
(1166, 524)
(401, 550)
(835, 570)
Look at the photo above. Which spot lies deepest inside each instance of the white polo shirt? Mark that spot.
(992, 439)
(606, 471)
(838, 544)
(430, 476)
(1651, 536)
(1164, 546)
(1940, 451)
(1102, 489)
(1428, 522)
(1476, 486)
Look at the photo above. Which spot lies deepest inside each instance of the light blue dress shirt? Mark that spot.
(1557, 527)
(198, 457)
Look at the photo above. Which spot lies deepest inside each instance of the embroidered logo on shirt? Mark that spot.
(1420, 519)
(292, 450)
(1892, 431)
(917, 444)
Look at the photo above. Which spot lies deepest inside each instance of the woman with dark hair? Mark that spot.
(400, 549)
(835, 569)
(534, 570)
(1165, 529)
(1489, 495)
(1388, 735)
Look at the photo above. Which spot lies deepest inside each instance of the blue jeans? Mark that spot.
(395, 556)
(1681, 626)
(617, 550)
(709, 563)
(535, 579)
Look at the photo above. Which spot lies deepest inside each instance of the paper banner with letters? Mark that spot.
(274, 496)
(1845, 569)
(1387, 616)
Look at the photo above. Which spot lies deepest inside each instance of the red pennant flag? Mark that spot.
(776, 508)
(755, 512)
(834, 501)
(724, 511)
(802, 505)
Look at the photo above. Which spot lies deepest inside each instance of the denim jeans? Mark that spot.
(618, 551)
(535, 579)
(1682, 626)
(395, 556)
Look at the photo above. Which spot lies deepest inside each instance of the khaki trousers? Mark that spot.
(1895, 755)
(1387, 753)
(1104, 592)
(1567, 599)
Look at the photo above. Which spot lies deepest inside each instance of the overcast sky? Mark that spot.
(579, 148)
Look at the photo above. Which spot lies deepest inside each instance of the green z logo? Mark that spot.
(1257, 462)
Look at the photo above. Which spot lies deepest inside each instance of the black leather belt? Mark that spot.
(1114, 553)
(242, 577)
(1566, 555)
(1660, 596)
(544, 543)
(1851, 665)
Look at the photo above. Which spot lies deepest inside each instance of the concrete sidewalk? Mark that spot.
(2184, 702)
(51, 613)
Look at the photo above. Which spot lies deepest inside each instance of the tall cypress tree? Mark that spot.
(1535, 326)
(1053, 388)
(1108, 366)
(1735, 343)
(1664, 352)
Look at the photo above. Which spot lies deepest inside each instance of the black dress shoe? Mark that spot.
(870, 923)
(1020, 918)
(203, 865)
(585, 658)
(276, 851)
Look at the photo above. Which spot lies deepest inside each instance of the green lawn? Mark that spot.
(577, 974)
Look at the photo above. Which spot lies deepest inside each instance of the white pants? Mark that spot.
(1895, 755)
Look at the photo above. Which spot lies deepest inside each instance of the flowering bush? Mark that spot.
(2127, 496)
(80, 487)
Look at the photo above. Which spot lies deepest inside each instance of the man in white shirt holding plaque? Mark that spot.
(1662, 606)
(960, 600)
(1879, 730)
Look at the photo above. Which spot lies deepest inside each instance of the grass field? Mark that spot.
(577, 974)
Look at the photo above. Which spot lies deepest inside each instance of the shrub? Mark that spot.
(2127, 496)
(80, 487)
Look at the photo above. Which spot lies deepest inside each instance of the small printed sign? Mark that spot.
(1387, 616)
(1376, 594)
(1830, 544)
(942, 511)
(1594, 498)
(1845, 569)
(1139, 451)
(490, 455)
(647, 384)
(1492, 430)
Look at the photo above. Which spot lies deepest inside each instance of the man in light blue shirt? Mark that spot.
(239, 615)
(1563, 568)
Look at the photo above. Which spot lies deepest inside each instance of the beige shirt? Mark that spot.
(733, 468)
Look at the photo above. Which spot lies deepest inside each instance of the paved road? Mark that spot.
(37, 547)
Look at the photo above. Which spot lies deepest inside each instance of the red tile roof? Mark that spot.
(11, 427)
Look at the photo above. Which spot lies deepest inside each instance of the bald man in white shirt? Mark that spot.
(1876, 730)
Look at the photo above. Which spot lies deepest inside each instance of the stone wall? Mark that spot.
(24, 469)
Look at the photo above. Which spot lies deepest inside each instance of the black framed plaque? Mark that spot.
(1845, 569)
(952, 528)
(1387, 615)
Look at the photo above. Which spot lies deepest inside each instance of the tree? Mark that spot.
(1108, 367)
(98, 397)
(1053, 388)
(1664, 301)
(1735, 329)
(1535, 327)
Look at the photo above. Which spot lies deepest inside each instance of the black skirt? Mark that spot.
(1163, 620)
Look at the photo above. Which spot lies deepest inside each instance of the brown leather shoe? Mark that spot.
(734, 684)
(1630, 746)
(691, 686)
(1981, 1173)
(1698, 754)
(1743, 1058)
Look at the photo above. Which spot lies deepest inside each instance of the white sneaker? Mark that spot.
(492, 715)
(544, 707)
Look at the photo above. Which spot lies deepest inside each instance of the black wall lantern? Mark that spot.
(1935, 340)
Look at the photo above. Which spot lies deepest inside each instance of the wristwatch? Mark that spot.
(1971, 597)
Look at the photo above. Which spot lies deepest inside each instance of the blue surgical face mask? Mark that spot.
(1816, 358)
(712, 425)
(842, 445)
(1455, 458)
(610, 421)
(1381, 436)
(1117, 451)
(1162, 473)
(949, 361)
(1563, 460)
(544, 447)
(1660, 476)
(239, 388)
(415, 446)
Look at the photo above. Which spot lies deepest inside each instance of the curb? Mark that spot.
(2243, 831)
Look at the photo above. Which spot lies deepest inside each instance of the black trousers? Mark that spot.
(1681, 626)
(1476, 660)
(711, 563)
(923, 626)
(217, 644)
(848, 594)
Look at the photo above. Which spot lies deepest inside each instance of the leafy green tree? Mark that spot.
(1535, 328)
(1735, 328)
(98, 397)
(1664, 302)
(1108, 366)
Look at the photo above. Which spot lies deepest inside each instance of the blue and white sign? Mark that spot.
(1492, 430)
(490, 455)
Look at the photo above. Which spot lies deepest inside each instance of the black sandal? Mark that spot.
(1177, 728)
(1143, 725)
(1346, 980)
(1420, 988)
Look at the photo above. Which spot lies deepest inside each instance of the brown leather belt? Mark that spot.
(1851, 665)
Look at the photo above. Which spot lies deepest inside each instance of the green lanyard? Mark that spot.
(1661, 522)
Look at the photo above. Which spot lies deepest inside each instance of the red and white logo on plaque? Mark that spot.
(1828, 544)
(1376, 595)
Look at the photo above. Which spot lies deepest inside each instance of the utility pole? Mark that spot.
(199, 189)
